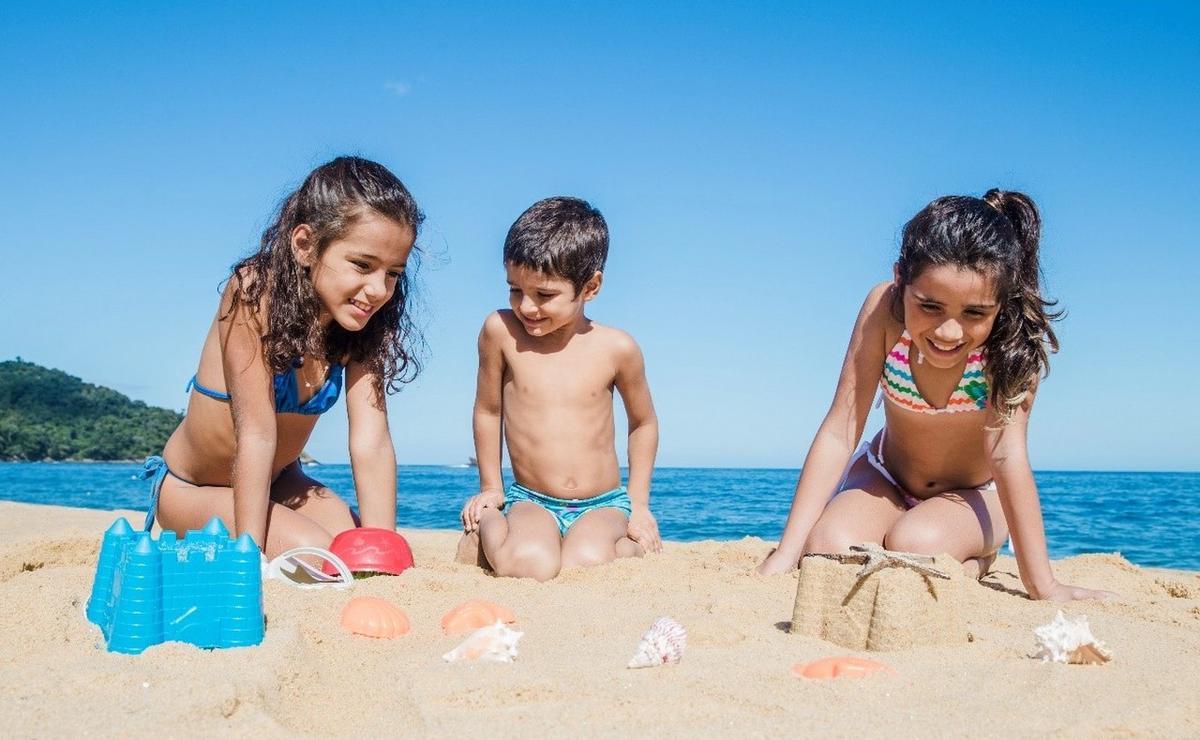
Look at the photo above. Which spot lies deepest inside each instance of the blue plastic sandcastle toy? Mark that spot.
(205, 589)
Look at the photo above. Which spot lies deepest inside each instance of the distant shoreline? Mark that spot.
(48, 461)
(326, 463)
(304, 459)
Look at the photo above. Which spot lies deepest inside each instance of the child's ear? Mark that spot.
(304, 246)
(896, 274)
(591, 288)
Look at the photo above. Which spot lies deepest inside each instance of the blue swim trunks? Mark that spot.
(564, 510)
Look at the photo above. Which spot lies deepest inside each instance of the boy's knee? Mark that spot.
(581, 556)
(528, 560)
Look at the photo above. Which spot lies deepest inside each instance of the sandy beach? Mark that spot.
(309, 678)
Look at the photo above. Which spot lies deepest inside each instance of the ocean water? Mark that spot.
(1152, 519)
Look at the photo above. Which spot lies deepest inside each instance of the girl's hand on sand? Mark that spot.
(1065, 592)
(475, 505)
(643, 529)
(776, 563)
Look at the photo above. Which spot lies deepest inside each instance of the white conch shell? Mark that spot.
(1066, 640)
(494, 643)
(663, 643)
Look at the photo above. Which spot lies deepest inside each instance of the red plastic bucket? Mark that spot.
(371, 549)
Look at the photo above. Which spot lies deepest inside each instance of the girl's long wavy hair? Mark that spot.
(331, 199)
(997, 235)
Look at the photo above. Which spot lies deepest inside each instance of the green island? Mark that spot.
(46, 414)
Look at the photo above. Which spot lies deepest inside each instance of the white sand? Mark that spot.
(310, 678)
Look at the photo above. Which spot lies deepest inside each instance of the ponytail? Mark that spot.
(1022, 338)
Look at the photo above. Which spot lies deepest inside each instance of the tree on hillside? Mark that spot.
(48, 414)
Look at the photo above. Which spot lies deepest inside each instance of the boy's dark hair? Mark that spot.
(559, 236)
(330, 201)
(997, 235)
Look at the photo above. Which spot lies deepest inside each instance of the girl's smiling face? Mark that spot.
(357, 273)
(949, 311)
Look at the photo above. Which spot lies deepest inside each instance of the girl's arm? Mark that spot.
(1009, 459)
(248, 381)
(372, 454)
(643, 440)
(485, 422)
(839, 432)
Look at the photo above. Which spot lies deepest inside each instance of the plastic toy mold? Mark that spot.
(374, 617)
(840, 666)
(371, 549)
(474, 614)
(205, 589)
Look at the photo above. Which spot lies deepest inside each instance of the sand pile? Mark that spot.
(892, 609)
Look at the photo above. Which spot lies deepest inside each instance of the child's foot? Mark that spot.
(470, 552)
(627, 548)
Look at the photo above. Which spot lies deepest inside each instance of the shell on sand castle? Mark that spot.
(374, 617)
(892, 609)
(471, 615)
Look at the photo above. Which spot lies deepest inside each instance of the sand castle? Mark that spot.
(875, 599)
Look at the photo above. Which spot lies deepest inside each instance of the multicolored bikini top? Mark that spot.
(899, 388)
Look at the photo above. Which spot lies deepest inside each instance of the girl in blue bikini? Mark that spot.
(955, 344)
(320, 306)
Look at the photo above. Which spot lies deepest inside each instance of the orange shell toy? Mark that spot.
(471, 615)
(841, 666)
(374, 617)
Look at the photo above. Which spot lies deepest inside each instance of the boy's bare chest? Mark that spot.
(563, 377)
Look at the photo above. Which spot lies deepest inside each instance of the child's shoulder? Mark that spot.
(245, 289)
(618, 342)
(498, 319)
(879, 307)
(878, 324)
(499, 324)
(881, 295)
(501, 328)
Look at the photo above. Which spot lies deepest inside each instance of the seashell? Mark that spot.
(663, 643)
(1066, 640)
(494, 643)
(840, 666)
(471, 615)
(374, 617)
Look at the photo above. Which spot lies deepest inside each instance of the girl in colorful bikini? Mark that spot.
(955, 344)
(322, 304)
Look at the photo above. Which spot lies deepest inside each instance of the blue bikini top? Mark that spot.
(287, 392)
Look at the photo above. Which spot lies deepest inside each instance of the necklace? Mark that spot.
(323, 370)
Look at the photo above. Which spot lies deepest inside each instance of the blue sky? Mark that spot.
(755, 163)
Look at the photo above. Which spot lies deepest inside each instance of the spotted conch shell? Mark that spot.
(1066, 640)
(494, 643)
(663, 643)
(471, 615)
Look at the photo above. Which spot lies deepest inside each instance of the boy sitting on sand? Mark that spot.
(546, 377)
